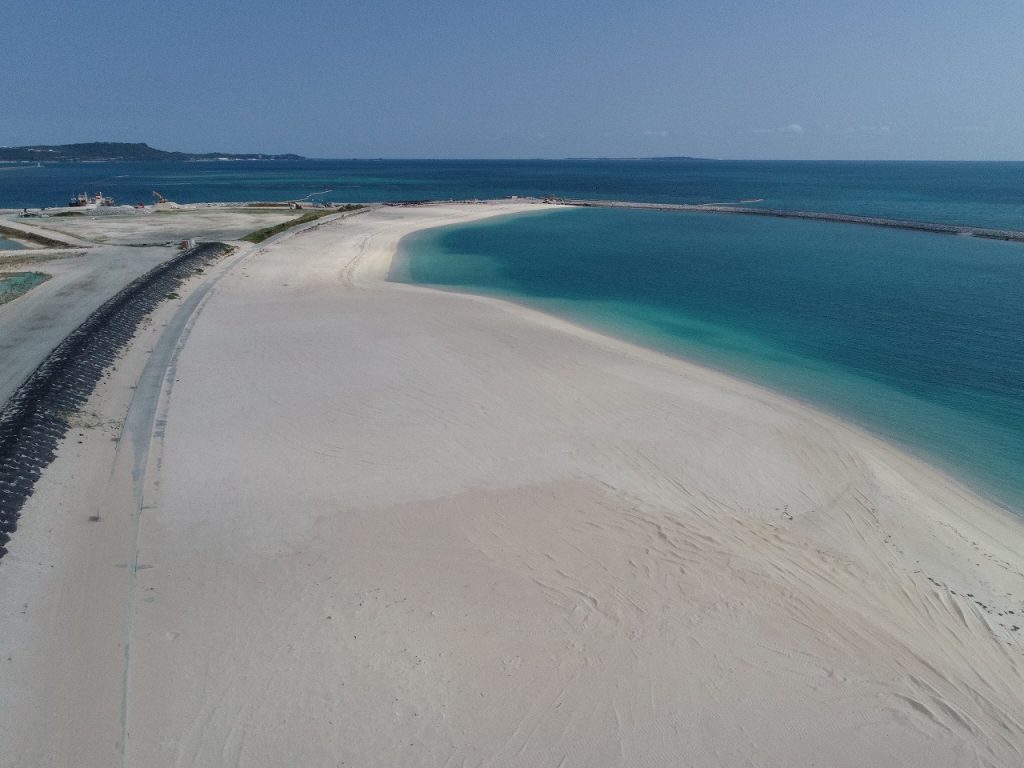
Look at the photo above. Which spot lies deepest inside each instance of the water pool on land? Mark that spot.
(14, 284)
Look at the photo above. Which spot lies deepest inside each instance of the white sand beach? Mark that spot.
(346, 522)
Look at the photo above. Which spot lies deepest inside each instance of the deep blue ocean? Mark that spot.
(916, 336)
(981, 194)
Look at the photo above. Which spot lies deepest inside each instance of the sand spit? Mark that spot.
(358, 523)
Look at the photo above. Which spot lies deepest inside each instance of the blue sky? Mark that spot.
(789, 79)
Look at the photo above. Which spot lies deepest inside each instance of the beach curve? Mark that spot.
(396, 525)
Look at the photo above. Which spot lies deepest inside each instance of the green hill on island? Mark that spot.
(122, 151)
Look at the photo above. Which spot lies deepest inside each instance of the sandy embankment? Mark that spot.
(383, 525)
(110, 251)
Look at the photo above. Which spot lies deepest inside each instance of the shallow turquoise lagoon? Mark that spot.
(918, 337)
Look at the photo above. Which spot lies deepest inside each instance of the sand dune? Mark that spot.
(371, 524)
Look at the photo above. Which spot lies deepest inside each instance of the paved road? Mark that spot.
(32, 325)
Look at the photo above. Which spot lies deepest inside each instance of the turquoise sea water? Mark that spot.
(919, 337)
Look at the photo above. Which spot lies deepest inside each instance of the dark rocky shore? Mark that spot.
(36, 417)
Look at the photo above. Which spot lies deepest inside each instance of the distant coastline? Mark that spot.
(101, 151)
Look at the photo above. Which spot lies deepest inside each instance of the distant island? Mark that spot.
(115, 150)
